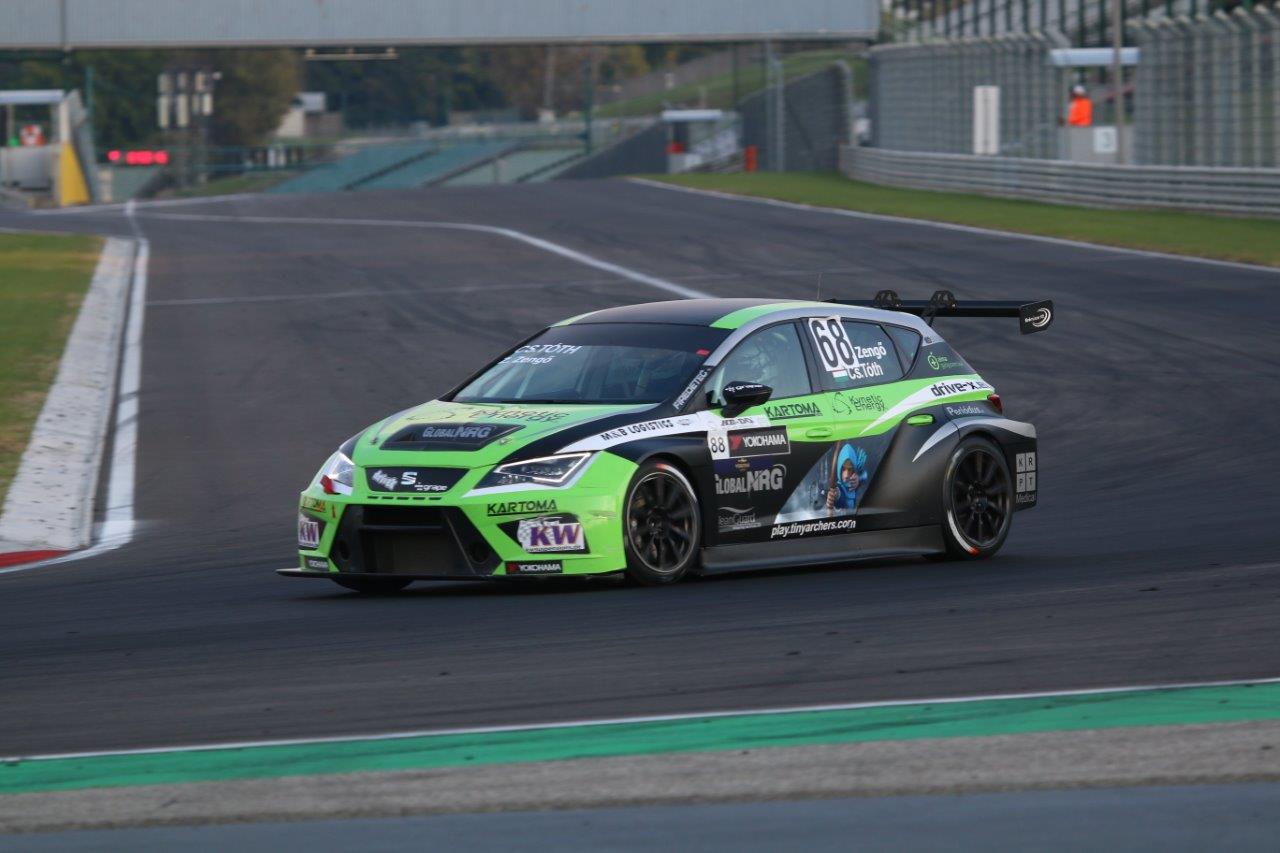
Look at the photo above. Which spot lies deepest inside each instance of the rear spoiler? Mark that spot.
(1032, 316)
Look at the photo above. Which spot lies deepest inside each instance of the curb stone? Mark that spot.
(50, 501)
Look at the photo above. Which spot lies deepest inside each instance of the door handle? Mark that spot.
(818, 432)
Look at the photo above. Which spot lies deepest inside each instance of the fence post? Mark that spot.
(1272, 21)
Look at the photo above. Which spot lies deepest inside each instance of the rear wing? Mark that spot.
(1032, 316)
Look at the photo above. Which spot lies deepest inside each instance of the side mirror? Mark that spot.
(740, 396)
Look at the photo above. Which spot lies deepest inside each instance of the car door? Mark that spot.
(857, 364)
(758, 458)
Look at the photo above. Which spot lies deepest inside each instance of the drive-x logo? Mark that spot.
(521, 507)
(789, 411)
(550, 533)
(750, 482)
(946, 389)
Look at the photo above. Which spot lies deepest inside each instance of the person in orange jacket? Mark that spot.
(1080, 112)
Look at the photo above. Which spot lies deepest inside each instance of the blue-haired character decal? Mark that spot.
(848, 475)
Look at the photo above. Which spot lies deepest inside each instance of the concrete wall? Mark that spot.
(645, 152)
(1216, 190)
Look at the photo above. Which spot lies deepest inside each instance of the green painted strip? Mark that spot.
(745, 315)
(1172, 706)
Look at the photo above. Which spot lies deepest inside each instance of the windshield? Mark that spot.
(596, 363)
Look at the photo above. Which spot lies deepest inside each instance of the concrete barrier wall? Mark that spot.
(1216, 190)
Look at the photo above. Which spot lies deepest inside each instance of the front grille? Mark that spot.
(404, 516)
(411, 540)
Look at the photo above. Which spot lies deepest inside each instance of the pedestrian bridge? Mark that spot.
(71, 24)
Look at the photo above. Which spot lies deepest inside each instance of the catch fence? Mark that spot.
(1207, 91)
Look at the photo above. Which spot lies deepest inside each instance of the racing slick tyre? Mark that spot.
(662, 525)
(374, 586)
(977, 499)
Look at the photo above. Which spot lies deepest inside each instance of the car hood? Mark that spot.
(470, 435)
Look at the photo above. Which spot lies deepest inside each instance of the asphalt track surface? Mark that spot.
(1223, 817)
(1151, 558)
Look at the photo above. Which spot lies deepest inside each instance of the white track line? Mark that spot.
(656, 718)
(119, 523)
(118, 520)
(951, 226)
(510, 233)
(133, 204)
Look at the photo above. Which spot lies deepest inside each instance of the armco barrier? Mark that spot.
(1209, 189)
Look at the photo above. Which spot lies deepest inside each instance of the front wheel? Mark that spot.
(977, 500)
(662, 525)
(373, 586)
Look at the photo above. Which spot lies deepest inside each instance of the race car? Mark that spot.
(668, 439)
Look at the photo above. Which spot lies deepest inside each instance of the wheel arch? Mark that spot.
(679, 464)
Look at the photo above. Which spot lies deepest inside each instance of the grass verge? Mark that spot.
(1255, 241)
(43, 279)
(718, 88)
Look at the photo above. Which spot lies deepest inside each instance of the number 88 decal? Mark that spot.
(833, 345)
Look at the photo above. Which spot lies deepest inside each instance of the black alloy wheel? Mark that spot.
(662, 525)
(978, 499)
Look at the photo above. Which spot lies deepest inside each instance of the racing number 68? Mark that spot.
(833, 344)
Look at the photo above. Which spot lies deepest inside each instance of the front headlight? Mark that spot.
(543, 471)
(337, 476)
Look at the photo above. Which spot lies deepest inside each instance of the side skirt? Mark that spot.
(837, 548)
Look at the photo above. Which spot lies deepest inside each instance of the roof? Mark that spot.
(735, 313)
(31, 97)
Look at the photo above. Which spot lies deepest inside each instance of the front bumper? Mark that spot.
(467, 534)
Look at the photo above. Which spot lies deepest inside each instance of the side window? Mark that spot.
(908, 341)
(770, 356)
(940, 359)
(853, 354)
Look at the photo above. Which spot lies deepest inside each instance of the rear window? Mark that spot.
(596, 363)
(908, 341)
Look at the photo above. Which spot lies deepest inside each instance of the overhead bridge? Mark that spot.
(72, 24)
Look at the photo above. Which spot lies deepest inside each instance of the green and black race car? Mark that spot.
(673, 438)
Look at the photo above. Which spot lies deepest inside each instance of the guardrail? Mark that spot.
(1198, 188)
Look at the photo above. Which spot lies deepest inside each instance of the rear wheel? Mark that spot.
(374, 586)
(977, 500)
(662, 525)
